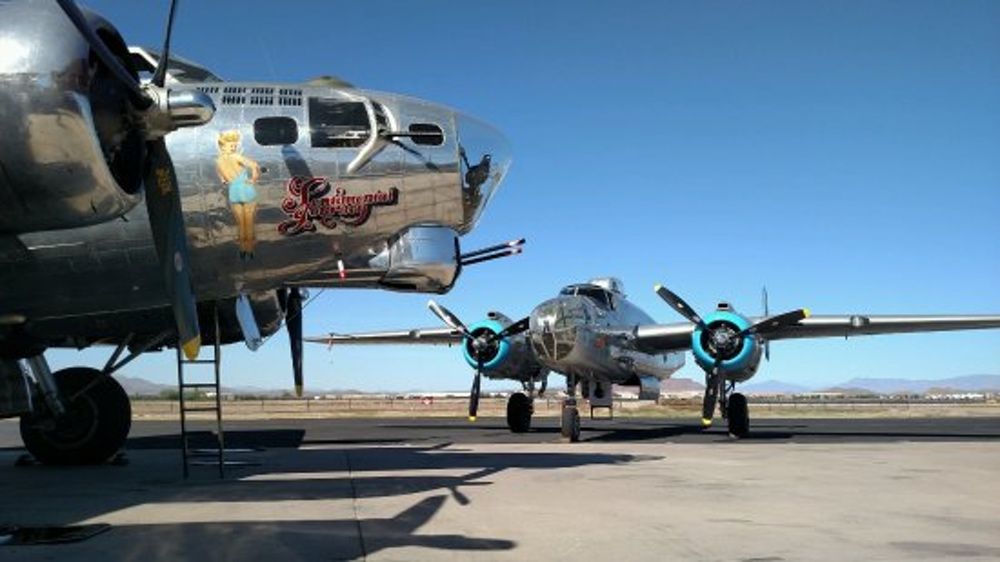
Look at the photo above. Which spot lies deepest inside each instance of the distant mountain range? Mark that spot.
(967, 383)
(135, 386)
(680, 385)
(773, 387)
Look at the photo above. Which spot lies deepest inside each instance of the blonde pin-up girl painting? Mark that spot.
(240, 173)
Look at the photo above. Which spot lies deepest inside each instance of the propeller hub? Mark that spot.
(722, 340)
(482, 346)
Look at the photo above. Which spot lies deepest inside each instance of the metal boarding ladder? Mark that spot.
(183, 385)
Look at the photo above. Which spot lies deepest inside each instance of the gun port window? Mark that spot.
(427, 134)
(336, 123)
(269, 131)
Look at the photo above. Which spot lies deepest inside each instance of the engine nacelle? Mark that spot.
(69, 154)
(739, 363)
(510, 358)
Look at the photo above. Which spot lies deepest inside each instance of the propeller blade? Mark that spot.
(678, 304)
(293, 320)
(72, 11)
(447, 317)
(514, 329)
(166, 219)
(711, 395)
(160, 75)
(474, 394)
(713, 383)
(779, 321)
(767, 344)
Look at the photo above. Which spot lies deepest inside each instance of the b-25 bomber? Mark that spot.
(147, 203)
(596, 338)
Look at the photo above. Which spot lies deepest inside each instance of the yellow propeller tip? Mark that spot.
(472, 418)
(706, 422)
(657, 287)
(806, 312)
(191, 348)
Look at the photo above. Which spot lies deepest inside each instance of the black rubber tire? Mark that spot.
(519, 411)
(570, 425)
(738, 415)
(94, 428)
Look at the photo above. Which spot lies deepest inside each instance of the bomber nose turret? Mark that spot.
(553, 327)
(484, 155)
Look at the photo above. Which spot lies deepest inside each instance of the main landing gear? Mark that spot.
(519, 411)
(92, 429)
(521, 406)
(738, 415)
(732, 405)
(79, 415)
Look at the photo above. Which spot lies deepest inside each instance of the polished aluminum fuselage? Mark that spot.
(111, 267)
(577, 336)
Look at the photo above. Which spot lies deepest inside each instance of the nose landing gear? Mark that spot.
(570, 419)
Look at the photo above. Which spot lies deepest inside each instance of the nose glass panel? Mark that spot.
(554, 327)
(484, 156)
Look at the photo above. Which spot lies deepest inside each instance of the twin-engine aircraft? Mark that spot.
(596, 338)
(145, 202)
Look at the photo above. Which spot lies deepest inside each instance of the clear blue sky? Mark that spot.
(845, 154)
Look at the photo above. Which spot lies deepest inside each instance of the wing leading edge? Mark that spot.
(676, 337)
(426, 336)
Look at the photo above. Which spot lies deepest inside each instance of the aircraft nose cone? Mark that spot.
(553, 328)
(484, 158)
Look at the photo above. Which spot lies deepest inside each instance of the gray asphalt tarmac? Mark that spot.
(293, 433)
(442, 489)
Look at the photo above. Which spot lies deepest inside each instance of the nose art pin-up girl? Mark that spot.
(240, 173)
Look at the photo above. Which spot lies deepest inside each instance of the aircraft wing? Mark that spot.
(426, 336)
(676, 337)
(862, 325)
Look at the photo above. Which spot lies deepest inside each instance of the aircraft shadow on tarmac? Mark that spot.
(317, 471)
(334, 539)
(873, 430)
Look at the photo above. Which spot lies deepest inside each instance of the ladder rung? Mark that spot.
(199, 385)
(197, 361)
(202, 409)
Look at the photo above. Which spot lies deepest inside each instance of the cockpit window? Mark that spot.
(335, 123)
(600, 296)
(597, 294)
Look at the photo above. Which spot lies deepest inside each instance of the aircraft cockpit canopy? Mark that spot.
(612, 284)
(180, 70)
(599, 295)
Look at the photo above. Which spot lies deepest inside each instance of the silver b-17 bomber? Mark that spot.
(147, 203)
(596, 338)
